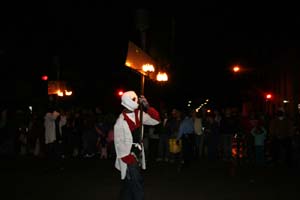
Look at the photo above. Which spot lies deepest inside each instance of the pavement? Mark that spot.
(96, 179)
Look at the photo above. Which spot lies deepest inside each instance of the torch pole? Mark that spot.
(141, 107)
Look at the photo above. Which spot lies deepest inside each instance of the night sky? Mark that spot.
(196, 44)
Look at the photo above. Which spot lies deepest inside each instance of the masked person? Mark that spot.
(130, 155)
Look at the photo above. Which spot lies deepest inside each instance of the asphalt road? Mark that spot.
(95, 179)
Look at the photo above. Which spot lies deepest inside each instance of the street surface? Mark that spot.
(95, 179)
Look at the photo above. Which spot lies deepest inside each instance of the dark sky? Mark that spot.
(199, 44)
(212, 38)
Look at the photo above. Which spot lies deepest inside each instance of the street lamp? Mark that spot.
(236, 69)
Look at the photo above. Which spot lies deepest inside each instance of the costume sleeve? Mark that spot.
(129, 159)
(151, 117)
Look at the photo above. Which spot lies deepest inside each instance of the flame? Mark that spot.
(162, 76)
(60, 93)
(68, 93)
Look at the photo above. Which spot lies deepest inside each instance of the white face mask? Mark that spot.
(130, 105)
(130, 100)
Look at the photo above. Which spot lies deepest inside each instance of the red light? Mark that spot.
(45, 78)
(120, 93)
(268, 96)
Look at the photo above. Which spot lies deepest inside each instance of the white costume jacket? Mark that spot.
(49, 124)
(123, 139)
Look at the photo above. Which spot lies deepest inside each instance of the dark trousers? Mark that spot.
(259, 155)
(282, 146)
(133, 185)
(187, 148)
(163, 147)
(199, 146)
(54, 150)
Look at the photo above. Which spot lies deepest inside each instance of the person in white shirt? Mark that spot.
(50, 131)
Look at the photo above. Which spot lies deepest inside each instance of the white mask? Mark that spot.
(130, 100)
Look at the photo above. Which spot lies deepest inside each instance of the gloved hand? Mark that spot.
(143, 101)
